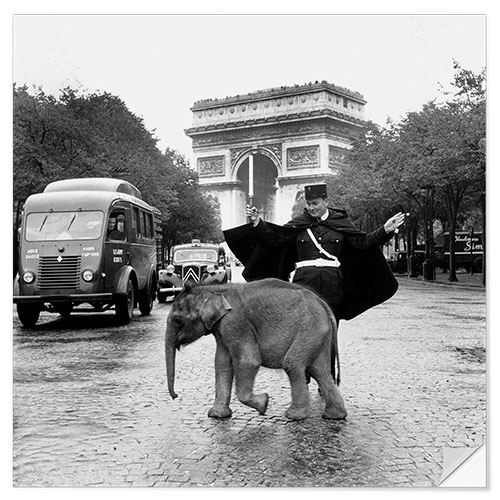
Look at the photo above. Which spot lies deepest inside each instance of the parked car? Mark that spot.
(195, 261)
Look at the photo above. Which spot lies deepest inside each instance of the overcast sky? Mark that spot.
(160, 65)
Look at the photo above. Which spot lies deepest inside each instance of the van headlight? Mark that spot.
(88, 275)
(29, 277)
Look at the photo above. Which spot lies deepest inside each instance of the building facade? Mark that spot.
(266, 145)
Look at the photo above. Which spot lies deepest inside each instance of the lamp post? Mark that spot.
(410, 246)
(471, 245)
(428, 265)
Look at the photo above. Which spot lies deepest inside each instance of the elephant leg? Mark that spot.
(245, 378)
(320, 371)
(300, 407)
(223, 383)
(294, 364)
(247, 360)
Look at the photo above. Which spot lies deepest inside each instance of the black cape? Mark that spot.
(368, 279)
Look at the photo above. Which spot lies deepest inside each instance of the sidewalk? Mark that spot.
(464, 279)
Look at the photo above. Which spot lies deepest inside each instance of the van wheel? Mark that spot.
(124, 307)
(146, 299)
(28, 314)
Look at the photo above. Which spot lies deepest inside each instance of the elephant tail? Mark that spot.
(335, 349)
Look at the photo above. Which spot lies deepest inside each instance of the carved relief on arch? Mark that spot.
(337, 157)
(303, 157)
(273, 151)
(237, 154)
(273, 132)
(211, 166)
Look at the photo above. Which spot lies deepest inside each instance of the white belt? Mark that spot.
(318, 263)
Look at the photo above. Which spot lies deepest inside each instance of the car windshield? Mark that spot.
(195, 254)
(79, 225)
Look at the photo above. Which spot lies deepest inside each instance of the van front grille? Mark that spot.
(58, 272)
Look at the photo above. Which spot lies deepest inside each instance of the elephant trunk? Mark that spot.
(170, 361)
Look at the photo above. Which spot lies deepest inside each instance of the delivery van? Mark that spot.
(86, 245)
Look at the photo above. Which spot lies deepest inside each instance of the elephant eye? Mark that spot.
(177, 320)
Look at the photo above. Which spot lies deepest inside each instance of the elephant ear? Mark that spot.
(213, 309)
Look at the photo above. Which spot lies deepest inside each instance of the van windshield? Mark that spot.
(195, 254)
(77, 225)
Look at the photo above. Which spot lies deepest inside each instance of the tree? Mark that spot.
(79, 136)
(443, 145)
(95, 135)
(471, 95)
(188, 213)
(431, 164)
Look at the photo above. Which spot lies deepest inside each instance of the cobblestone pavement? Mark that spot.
(91, 407)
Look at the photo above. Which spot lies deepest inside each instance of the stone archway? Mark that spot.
(297, 135)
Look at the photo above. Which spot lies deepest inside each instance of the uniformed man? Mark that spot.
(344, 265)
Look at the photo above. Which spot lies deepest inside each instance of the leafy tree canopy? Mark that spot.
(440, 147)
(432, 165)
(96, 135)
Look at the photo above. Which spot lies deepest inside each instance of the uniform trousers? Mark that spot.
(327, 282)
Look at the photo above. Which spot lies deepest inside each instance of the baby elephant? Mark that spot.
(268, 323)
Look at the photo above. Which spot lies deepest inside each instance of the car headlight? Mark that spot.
(88, 275)
(28, 277)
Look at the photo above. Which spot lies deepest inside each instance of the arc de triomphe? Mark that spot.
(288, 136)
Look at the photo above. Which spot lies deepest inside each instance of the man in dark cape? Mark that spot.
(368, 280)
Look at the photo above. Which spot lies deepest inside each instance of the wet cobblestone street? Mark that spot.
(91, 406)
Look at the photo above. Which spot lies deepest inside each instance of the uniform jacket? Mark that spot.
(368, 280)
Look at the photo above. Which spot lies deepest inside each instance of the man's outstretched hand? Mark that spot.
(394, 222)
